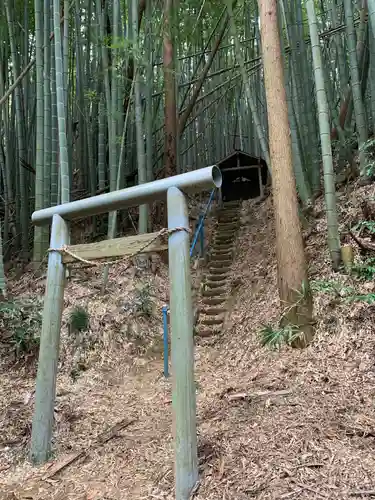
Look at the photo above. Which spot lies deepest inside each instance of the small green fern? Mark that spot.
(79, 319)
(331, 287)
(369, 149)
(369, 225)
(366, 269)
(368, 298)
(344, 293)
(20, 325)
(275, 338)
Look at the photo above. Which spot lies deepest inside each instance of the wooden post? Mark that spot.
(49, 346)
(182, 348)
(184, 389)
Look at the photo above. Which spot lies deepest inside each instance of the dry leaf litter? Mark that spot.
(272, 424)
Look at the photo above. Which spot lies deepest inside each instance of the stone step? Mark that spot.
(212, 311)
(229, 210)
(228, 240)
(218, 263)
(233, 208)
(226, 226)
(222, 247)
(225, 250)
(221, 256)
(224, 237)
(208, 331)
(214, 320)
(218, 271)
(214, 293)
(228, 219)
(217, 242)
(222, 278)
(214, 301)
(231, 205)
(220, 235)
(223, 231)
(236, 203)
(216, 284)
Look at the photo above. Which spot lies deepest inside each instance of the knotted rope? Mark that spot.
(64, 249)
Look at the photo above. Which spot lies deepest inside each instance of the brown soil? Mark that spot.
(273, 424)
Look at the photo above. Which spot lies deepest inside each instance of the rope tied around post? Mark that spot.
(162, 233)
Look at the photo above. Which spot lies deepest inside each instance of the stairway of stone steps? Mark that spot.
(216, 281)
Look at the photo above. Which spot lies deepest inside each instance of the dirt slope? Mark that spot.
(272, 424)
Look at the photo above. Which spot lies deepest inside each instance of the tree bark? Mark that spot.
(354, 65)
(292, 271)
(170, 111)
(348, 97)
(325, 139)
(130, 65)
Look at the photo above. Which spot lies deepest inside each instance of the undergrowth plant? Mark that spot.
(368, 298)
(340, 291)
(366, 269)
(331, 287)
(276, 337)
(20, 325)
(78, 320)
(369, 225)
(369, 149)
(143, 301)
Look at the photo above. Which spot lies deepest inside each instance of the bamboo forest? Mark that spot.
(187, 249)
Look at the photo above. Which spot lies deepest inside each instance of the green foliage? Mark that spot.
(143, 301)
(369, 148)
(91, 95)
(365, 270)
(369, 225)
(20, 325)
(332, 287)
(340, 291)
(368, 298)
(275, 338)
(79, 319)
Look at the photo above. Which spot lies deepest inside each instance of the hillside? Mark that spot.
(272, 423)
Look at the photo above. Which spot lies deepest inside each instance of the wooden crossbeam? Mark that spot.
(117, 247)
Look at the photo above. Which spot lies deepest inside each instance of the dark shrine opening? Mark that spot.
(244, 176)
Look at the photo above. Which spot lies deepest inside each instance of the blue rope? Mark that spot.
(199, 230)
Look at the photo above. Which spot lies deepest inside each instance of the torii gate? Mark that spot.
(182, 345)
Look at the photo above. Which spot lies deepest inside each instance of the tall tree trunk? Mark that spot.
(329, 176)
(54, 131)
(3, 287)
(47, 119)
(292, 272)
(371, 12)
(23, 191)
(38, 231)
(341, 63)
(359, 108)
(170, 110)
(149, 90)
(141, 157)
(60, 99)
